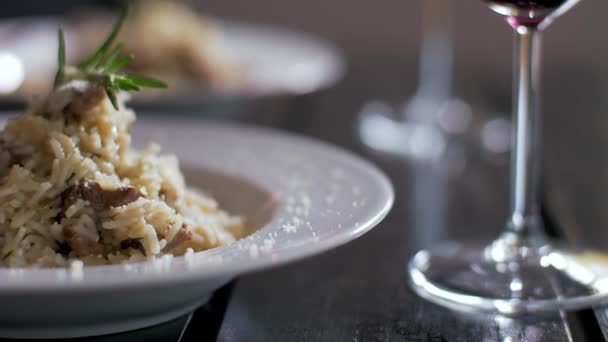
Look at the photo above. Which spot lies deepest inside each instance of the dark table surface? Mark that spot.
(359, 293)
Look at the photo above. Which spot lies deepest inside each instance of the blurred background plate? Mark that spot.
(272, 62)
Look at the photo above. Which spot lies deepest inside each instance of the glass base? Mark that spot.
(468, 278)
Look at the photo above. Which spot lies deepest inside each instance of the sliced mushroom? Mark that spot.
(99, 198)
(68, 198)
(74, 98)
(181, 236)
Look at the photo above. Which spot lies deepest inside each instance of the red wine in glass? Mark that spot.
(524, 12)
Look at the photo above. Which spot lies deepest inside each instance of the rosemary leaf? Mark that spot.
(111, 95)
(125, 83)
(103, 67)
(112, 56)
(121, 62)
(60, 59)
(147, 82)
(95, 58)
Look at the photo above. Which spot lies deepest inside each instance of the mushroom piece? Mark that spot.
(74, 98)
(99, 198)
(181, 236)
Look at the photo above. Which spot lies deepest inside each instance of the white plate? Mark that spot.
(305, 196)
(275, 61)
(281, 61)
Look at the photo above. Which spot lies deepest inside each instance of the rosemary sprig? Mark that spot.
(94, 59)
(104, 66)
(60, 59)
(112, 56)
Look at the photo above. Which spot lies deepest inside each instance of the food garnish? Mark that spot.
(103, 66)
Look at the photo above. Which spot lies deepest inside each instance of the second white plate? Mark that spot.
(274, 61)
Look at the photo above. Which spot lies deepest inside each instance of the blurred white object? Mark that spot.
(29, 52)
(281, 61)
(432, 122)
(12, 72)
(380, 132)
(274, 61)
(496, 136)
(419, 131)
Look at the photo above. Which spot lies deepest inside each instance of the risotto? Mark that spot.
(73, 188)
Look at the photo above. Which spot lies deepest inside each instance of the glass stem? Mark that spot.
(526, 157)
(435, 76)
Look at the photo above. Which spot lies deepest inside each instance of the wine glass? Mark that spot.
(420, 130)
(521, 271)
